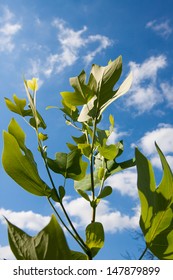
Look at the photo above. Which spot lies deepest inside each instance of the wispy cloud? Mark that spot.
(24, 219)
(9, 27)
(72, 45)
(145, 93)
(162, 28)
(167, 90)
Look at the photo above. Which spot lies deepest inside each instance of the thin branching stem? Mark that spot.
(92, 171)
(143, 253)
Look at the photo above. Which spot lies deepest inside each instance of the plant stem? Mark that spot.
(143, 253)
(76, 236)
(83, 246)
(92, 172)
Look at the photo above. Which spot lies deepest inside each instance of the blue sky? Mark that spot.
(55, 40)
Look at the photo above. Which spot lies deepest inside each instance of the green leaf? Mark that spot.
(61, 190)
(95, 237)
(32, 84)
(18, 106)
(105, 78)
(78, 256)
(83, 194)
(42, 136)
(82, 93)
(124, 87)
(19, 163)
(85, 183)
(70, 110)
(109, 152)
(156, 219)
(69, 165)
(49, 244)
(85, 149)
(80, 140)
(105, 192)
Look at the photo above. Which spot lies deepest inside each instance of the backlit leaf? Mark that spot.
(49, 244)
(95, 237)
(156, 219)
(18, 106)
(19, 163)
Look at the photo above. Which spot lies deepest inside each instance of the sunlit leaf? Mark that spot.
(82, 92)
(95, 237)
(19, 163)
(109, 152)
(32, 84)
(49, 244)
(18, 106)
(105, 78)
(156, 219)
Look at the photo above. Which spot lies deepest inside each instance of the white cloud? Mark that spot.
(116, 136)
(125, 182)
(145, 94)
(103, 41)
(71, 46)
(112, 219)
(163, 135)
(167, 90)
(161, 28)
(8, 29)
(6, 253)
(24, 219)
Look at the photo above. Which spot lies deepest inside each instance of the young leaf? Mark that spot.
(105, 192)
(32, 84)
(19, 163)
(18, 106)
(82, 93)
(156, 219)
(95, 237)
(109, 152)
(83, 194)
(49, 244)
(69, 165)
(105, 79)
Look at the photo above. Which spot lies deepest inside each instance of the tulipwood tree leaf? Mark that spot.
(82, 94)
(18, 106)
(78, 256)
(18, 161)
(69, 165)
(156, 219)
(85, 183)
(109, 152)
(95, 237)
(105, 192)
(105, 79)
(49, 244)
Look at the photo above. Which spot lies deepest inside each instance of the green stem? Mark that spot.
(143, 253)
(76, 236)
(83, 246)
(92, 172)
